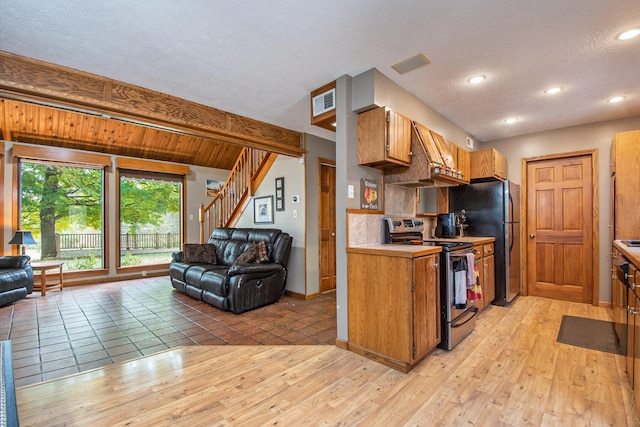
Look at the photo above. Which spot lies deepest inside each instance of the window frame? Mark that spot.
(128, 164)
(70, 157)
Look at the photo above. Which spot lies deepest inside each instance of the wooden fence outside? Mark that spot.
(128, 241)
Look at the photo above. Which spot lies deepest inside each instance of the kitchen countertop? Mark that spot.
(631, 252)
(470, 239)
(406, 251)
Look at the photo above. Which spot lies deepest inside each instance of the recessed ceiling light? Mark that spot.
(629, 34)
(476, 79)
(511, 120)
(553, 90)
(615, 99)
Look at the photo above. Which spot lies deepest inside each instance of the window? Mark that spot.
(62, 205)
(150, 217)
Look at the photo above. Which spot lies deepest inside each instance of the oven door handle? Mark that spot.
(459, 255)
(472, 309)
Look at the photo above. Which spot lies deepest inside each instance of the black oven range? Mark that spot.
(458, 313)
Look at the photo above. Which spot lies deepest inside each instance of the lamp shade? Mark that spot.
(22, 238)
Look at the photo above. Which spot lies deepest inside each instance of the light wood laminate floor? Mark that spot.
(509, 372)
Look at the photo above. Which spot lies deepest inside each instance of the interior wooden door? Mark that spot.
(327, 221)
(559, 231)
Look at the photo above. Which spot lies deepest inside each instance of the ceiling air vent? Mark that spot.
(324, 102)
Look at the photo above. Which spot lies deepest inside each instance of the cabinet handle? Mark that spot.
(435, 265)
(632, 311)
(532, 236)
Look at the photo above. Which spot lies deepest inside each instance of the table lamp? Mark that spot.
(22, 238)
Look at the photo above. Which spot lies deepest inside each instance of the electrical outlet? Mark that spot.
(144, 273)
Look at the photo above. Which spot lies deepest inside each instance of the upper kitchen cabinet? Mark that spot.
(487, 165)
(384, 138)
(462, 159)
(323, 106)
(432, 162)
(625, 185)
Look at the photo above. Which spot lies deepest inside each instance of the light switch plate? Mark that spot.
(350, 191)
(470, 143)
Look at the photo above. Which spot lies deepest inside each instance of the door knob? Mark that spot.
(532, 236)
(333, 234)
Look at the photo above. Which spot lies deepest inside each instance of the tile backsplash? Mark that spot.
(368, 229)
(364, 229)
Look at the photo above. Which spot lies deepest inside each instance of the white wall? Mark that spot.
(587, 137)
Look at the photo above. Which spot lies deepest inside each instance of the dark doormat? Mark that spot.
(589, 333)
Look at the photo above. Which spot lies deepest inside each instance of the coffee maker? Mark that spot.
(446, 225)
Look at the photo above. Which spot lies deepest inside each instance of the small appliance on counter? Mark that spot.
(446, 226)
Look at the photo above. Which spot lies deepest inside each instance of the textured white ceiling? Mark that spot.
(262, 58)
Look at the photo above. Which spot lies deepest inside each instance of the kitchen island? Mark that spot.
(394, 298)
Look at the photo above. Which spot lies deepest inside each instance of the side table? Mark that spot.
(42, 267)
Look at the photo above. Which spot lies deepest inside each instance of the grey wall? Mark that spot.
(291, 220)
(197, 194)
(317, 148)
(587, 137)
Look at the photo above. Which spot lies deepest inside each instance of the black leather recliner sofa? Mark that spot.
(16, 278)
(230, 283)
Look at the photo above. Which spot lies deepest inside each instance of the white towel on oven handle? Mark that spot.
(460, 287)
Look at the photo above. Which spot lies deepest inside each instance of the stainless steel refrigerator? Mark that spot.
(493, 209)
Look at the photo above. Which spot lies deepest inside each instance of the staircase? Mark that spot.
(245, 177)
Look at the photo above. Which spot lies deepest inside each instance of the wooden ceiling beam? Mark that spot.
(29, 80)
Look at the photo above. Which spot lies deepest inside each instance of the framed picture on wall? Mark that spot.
(263, 210)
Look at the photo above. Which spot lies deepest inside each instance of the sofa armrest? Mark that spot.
(177, 256)
(18, 261)
(254, 269)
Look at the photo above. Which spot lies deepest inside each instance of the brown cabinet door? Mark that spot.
(636, 343)
(479, 264)
(426, 305)
(626, 185)
(399, 138)
(384, 138)
(489, 268)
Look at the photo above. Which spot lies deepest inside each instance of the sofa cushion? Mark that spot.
(216, 282)
(255, 253)
(249, 256)
(263, 256)
(199, 253)
(194, 273)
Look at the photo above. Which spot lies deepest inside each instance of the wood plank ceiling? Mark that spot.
(36, 124)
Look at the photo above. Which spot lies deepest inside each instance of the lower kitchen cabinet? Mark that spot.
(636, 340)
(633, 332)
(394, 307)
(486, 263)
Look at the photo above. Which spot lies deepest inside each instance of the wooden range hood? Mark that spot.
(432, 163)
